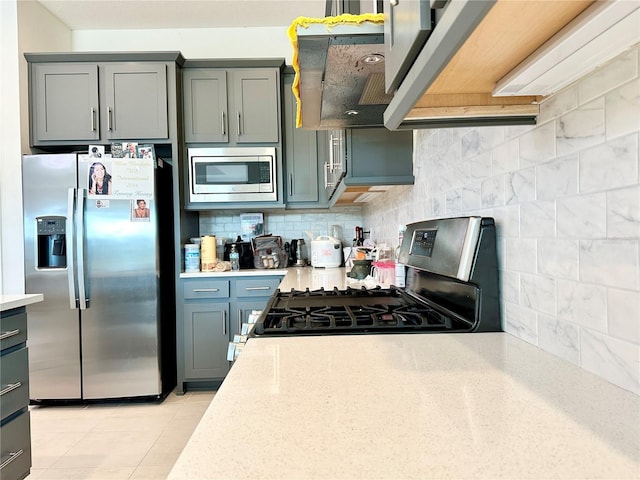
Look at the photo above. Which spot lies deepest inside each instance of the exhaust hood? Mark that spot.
(339, 62)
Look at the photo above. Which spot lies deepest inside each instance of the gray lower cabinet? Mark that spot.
(231, 106)
(304, 155)
(206, 332)
(15, 430)
(213, 311)
(251, 294)
(205, 328)
(90, 102)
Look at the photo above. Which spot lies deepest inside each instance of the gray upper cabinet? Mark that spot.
(374, 159)
(64, 102)
(231, 106)
(205, 105)
(83, 102)
(303, 161)
(256, 99)
(407, 25)
(136, 101)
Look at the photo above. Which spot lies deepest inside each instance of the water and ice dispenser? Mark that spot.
(51, 244)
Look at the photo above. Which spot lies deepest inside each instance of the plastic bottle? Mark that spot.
(401, 273)
(234, 258)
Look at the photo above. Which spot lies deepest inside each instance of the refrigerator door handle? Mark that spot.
(80, 239)
(71, 241)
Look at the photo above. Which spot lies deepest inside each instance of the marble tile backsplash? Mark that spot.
(565, 194)
(289, 224)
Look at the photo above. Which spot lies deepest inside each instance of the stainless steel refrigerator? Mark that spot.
(106, 327)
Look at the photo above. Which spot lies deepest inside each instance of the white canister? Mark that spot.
(191, 258)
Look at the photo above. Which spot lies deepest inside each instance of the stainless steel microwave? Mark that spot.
(232, 174)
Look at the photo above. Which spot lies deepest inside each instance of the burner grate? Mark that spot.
(354, 318)
(349, 292)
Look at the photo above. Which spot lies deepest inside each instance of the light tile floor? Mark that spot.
(113, 441)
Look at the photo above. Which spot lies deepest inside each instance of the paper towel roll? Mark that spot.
(208, 258)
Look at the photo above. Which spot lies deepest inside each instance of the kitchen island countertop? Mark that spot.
(9, 301)
(484, 405)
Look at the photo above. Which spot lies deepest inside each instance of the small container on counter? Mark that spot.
(191, 258)
(208, 258)
(234, 258)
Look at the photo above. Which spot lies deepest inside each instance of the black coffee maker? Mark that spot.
(245, 252)
(295, 253)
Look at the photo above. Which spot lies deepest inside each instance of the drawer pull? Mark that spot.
(9, 334)
(201, 290)
(10, 387)
(12, 457)
(257, 288)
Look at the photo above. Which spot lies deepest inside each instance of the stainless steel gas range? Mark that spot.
(451, 287)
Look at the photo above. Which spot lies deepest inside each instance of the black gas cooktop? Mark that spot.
(451, 286)
(351, 311)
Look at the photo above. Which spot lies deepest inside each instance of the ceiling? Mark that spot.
(146, 14)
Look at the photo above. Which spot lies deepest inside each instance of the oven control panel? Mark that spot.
(454, 251)
(423, 242)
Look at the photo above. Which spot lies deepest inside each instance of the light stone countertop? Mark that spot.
(298, 278)
(9, 301)
(483, 405)
(239, 273)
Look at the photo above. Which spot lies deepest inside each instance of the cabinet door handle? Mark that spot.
(93, 119)
(291, 184)
(9, 334)
(337, 156)
(12, 457)
(239, 129)
(201, 290)
(248, 289)
(223, 125)
(332, 150)
(239, 320)
(326, 175)
(327, 183)
(109, 115)
(10, 388)
(224, 322)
